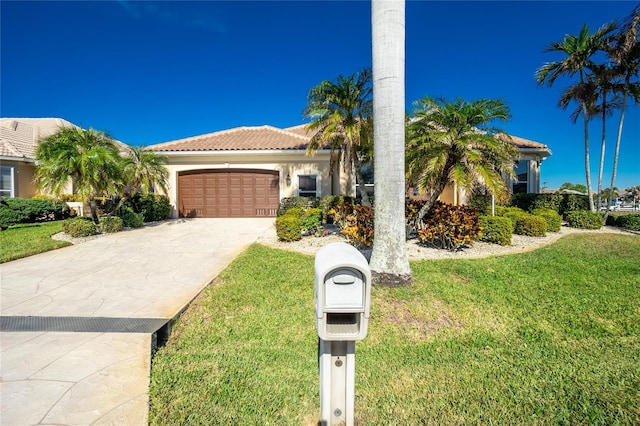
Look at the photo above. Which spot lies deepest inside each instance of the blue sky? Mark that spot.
(150, 72)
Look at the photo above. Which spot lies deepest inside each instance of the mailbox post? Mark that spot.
(343, 302)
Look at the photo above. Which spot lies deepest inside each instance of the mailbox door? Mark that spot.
(344, 290)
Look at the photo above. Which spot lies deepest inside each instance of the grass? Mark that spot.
(28, 239)
(546, 337)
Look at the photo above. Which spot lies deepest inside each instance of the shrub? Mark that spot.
(553, 219)
(331, 203)
(152, 207)
(561, 203)
(612, 219)
(629, 221)
(110, 224)
(584, 219)
(288, 203)
(530, 225)
(481, 201)
(289, 228)
(496, 230)
(513, 213)
(79, 227)
(357, 225)
(311, 220)
(411, 209)
(131, 219)
(31, 210)
(450, 227)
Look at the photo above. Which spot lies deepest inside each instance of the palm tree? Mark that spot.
(625, 54)
(341, 118)
(142, 171)
(455, 142)
(389, 260)
(88, 158)
(579, 51)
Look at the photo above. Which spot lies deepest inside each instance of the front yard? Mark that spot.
(550, 336)
(28, 239)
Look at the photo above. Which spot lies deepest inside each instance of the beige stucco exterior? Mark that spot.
(288, 163)
(23, 177)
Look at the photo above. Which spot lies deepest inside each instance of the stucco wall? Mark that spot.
(23, 175)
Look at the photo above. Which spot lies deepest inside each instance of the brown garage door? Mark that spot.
(228, 193)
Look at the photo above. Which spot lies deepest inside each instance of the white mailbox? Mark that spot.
(342, 293)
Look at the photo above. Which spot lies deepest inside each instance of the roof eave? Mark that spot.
(543, 152)
(21, 159)
(243, 152)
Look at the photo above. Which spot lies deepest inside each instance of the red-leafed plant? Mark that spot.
(449, 227)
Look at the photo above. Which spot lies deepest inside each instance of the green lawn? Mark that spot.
(546, 337)
(25, 240)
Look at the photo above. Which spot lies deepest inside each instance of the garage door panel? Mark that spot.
(228, 193)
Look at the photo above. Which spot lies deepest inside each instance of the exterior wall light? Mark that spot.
(288, 180)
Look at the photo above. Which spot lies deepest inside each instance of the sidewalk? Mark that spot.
(86, 357)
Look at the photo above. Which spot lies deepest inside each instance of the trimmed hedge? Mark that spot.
(79, 227)
(110, 224)
(496, 230)
(131, 219)
(629, 221)
(553, 219)
(31, 210)
(531, 226)
(311, 220)
(288, 228)
(513, 213)
(302, 203)
(584, 219)
(561, 203)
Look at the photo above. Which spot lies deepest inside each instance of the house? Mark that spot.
(19, 139)
(246, 171)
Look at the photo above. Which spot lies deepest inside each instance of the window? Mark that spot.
(307, 186)
(6, 181)
(521, 183)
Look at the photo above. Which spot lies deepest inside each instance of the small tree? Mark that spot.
(142, 172)
(88, 159)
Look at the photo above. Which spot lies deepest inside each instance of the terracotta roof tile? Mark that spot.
(525, 143)
(238, 139)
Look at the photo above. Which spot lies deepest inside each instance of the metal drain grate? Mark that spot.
(82, 324)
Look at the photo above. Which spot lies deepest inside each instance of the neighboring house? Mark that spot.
(19, 139)
(246, 171)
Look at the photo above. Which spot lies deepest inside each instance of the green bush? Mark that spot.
(561, 203)
(584, 219)
(553, 219)
(79, 227)
(449, 227)
(31, 210)
(110, 224)
(530, 225)
(131, 219)
(289, 228)
(513, 213)
(311, 220)
(152, 207)
(629, 221)
(612, 219)
(496, 230)
(302, 203)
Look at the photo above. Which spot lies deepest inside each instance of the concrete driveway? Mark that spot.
(78, 322)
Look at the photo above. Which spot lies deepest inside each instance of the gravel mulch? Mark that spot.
(519, 244)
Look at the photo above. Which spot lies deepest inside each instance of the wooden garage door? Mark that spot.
(228, 193)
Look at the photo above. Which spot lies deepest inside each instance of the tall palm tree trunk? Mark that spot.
(389, 260)
(602, 148)
(617, 150)
(587, 165)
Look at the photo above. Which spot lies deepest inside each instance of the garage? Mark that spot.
(228, 193)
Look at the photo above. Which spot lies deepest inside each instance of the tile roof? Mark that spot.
(267, 138)
(19, 136)
(239, 139)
